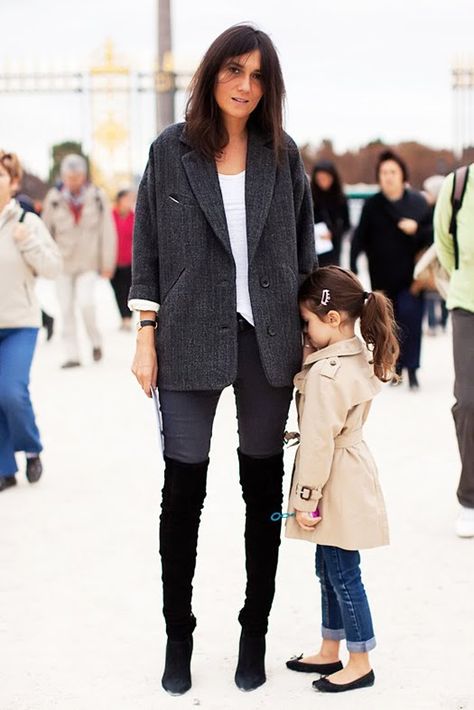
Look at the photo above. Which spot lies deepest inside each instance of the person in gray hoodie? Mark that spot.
(26, 251)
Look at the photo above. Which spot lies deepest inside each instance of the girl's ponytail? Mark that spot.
(379, 330)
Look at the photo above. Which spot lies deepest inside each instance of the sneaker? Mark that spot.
(97, 354)
(7, 482)
(34, 469)
(465, 522)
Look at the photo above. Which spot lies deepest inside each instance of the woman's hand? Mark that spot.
(145, 362)
(306, 520)
(409, 226)
(20, 232)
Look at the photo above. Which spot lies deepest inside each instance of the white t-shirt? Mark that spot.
(233, 196)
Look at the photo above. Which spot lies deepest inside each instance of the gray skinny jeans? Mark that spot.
(262, 410)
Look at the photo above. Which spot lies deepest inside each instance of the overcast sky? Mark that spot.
(355, 70)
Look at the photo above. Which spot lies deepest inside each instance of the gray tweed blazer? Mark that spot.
(182, 259)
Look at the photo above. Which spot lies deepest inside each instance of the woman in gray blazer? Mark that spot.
(223, 237)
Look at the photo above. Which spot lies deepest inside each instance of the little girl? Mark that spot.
(334, 473)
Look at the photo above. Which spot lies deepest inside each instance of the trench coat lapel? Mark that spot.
(259, 185)
(202, 176)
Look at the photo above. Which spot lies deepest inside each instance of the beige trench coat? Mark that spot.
(89, 245)
(334, 469)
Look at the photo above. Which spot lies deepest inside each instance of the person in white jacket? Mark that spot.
(27, 250)
(78, 215)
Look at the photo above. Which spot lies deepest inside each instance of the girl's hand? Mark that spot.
(145, 362)
(306, 521)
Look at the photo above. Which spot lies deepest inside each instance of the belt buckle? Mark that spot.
(307, 493)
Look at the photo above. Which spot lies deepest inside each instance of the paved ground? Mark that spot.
(80, 621)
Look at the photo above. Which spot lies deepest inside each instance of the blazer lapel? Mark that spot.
(259, 185)
(202, 176)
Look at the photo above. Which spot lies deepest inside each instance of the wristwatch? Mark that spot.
(143, 323)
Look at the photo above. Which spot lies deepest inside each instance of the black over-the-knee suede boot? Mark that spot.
(183, 496)
(261, 481)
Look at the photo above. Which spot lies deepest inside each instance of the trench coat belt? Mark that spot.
(350, 438)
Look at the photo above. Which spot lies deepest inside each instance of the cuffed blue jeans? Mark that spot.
(344, 605)
(18, 430)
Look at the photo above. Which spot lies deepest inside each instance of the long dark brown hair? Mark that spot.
(205, 128)
(334, 289)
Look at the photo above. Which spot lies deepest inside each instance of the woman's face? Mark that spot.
(390, 177)
(7, 185)
(323, 180)
(238, 87)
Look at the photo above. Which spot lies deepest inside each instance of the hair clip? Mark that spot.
(325, 297)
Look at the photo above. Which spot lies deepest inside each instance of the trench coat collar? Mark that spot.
(352, 346)
(259, 185)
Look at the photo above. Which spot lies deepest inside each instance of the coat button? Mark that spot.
(271, 330)
(332, 362)
(264, 282)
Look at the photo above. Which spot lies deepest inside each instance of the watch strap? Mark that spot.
(144, 323)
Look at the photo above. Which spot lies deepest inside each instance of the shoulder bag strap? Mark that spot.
(459, 188)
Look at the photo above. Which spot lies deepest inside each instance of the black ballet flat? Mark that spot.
(324, 685)
(294, 664)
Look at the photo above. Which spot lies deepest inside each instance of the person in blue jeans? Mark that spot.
(335, 498)
(27, 250)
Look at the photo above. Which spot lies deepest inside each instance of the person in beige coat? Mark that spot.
(335, 498)
(26, 251)
(78, 216)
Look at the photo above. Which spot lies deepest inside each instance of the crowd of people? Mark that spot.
(77, 239)
(225, 280)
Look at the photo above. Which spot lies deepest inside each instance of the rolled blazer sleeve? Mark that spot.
(444, 243)
(145, 265)
(323, 417)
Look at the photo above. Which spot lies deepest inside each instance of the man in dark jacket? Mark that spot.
(395, 226)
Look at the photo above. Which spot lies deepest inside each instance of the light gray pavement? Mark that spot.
(80, 598)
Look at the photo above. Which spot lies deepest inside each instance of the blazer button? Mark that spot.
(271, 330)
(264, 282)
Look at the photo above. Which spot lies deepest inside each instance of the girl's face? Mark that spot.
(7, 185)
(239, 87)
(323, 180)
(318, 330)
(325, 330)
